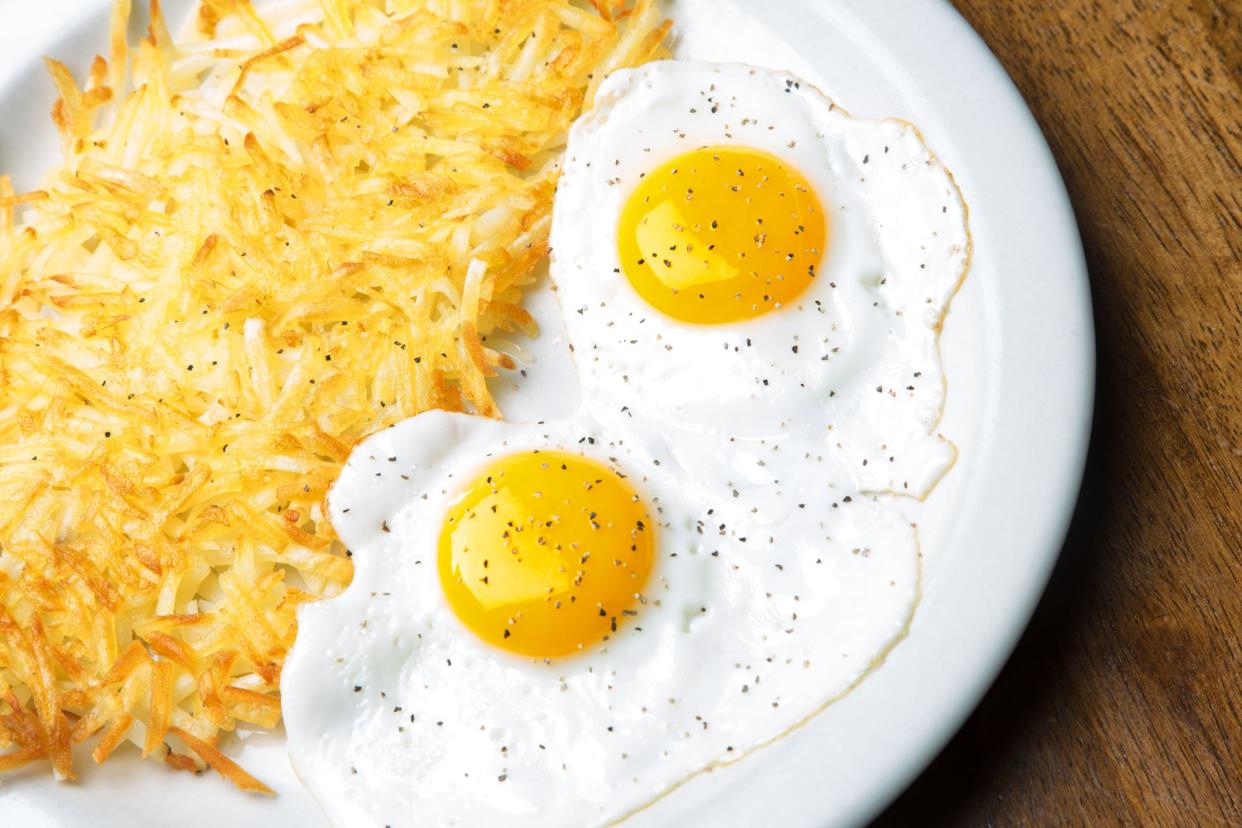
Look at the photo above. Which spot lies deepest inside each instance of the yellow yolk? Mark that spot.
(546, 553)
(721, 234)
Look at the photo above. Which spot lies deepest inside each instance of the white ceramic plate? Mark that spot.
(1019, 354)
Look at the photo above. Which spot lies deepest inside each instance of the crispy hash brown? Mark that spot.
(267, 241)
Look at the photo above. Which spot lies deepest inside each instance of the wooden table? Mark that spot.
(1123, 703)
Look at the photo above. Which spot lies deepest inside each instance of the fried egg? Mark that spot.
(551, 625)
(555, 623)
(737, 255)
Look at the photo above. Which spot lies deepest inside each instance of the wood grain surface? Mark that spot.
(1123, 703)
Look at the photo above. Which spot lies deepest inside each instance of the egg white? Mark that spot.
(856, 354)
(768, 600)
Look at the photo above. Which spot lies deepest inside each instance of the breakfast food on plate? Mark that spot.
(246, 330)
(559, 622)
(256, 252)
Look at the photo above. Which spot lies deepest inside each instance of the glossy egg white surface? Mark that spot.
(767, 601)
(855, 354)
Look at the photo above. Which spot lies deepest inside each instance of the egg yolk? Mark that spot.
(546, 553)
(721, 234)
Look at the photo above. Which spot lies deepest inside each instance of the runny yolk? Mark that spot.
(721, 234)
(546, 553)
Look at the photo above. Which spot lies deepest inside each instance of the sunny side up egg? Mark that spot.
(831, 246)
(556, 623)
(608, 630)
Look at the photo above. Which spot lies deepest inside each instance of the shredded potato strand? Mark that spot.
(267, 241)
